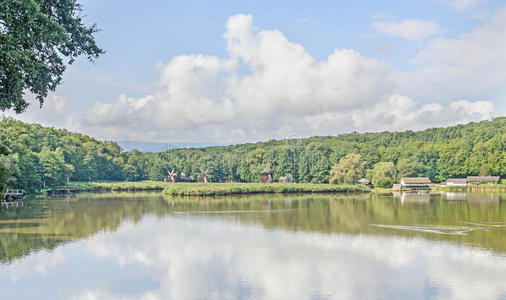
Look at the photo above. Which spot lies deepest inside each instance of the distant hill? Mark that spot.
(44, 156)
(159, 147)
(477, 148)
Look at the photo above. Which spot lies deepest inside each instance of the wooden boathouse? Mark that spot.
(415, 183)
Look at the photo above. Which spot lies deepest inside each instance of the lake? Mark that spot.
(361, 246)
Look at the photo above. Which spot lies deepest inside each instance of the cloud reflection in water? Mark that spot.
(191, 257)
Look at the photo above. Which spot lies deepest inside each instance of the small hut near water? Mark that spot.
(288, 178)
(365, 181)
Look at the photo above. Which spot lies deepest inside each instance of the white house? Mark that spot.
(456, 182)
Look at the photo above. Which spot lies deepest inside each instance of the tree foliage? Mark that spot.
(49, 155)
(383, 174)
(349, 169)
(36, 37)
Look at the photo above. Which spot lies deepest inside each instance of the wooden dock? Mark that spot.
(15, 203)
(11, 195)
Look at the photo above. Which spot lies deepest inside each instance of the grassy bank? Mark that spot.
(120, 186)
(501, 188)
(383, 190)
(217, 189)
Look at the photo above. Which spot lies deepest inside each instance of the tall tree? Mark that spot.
(349, 169)
(6, 167)
(36, 36)
(383, 174)
(53, 167)
(408, 168)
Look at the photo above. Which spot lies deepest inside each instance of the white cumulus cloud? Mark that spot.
(462, 4)
(471, 65)
(200, 94)
(269, 87)
(413, 29)
(213, 259)
(52, 113)
(400, 113)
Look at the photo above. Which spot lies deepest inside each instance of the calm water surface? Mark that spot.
(146, 246)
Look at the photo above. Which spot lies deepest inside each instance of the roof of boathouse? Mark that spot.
(483, 178)
(415, 180)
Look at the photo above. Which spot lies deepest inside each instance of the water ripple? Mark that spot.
(438, 229)
(489, 224)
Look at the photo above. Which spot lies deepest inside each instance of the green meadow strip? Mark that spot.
(220, 189)
(146, 185)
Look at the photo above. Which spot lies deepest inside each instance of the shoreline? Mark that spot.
(210, 189)
(223, 189)
(498, 188)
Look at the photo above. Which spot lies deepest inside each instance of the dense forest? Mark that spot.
(38, 157)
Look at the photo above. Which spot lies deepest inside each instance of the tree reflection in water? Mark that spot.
(46, 223)
(145, 246)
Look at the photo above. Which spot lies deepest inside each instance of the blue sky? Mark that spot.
(406, 41)
(142, 33)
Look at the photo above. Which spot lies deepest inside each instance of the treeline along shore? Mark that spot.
(37, 157)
